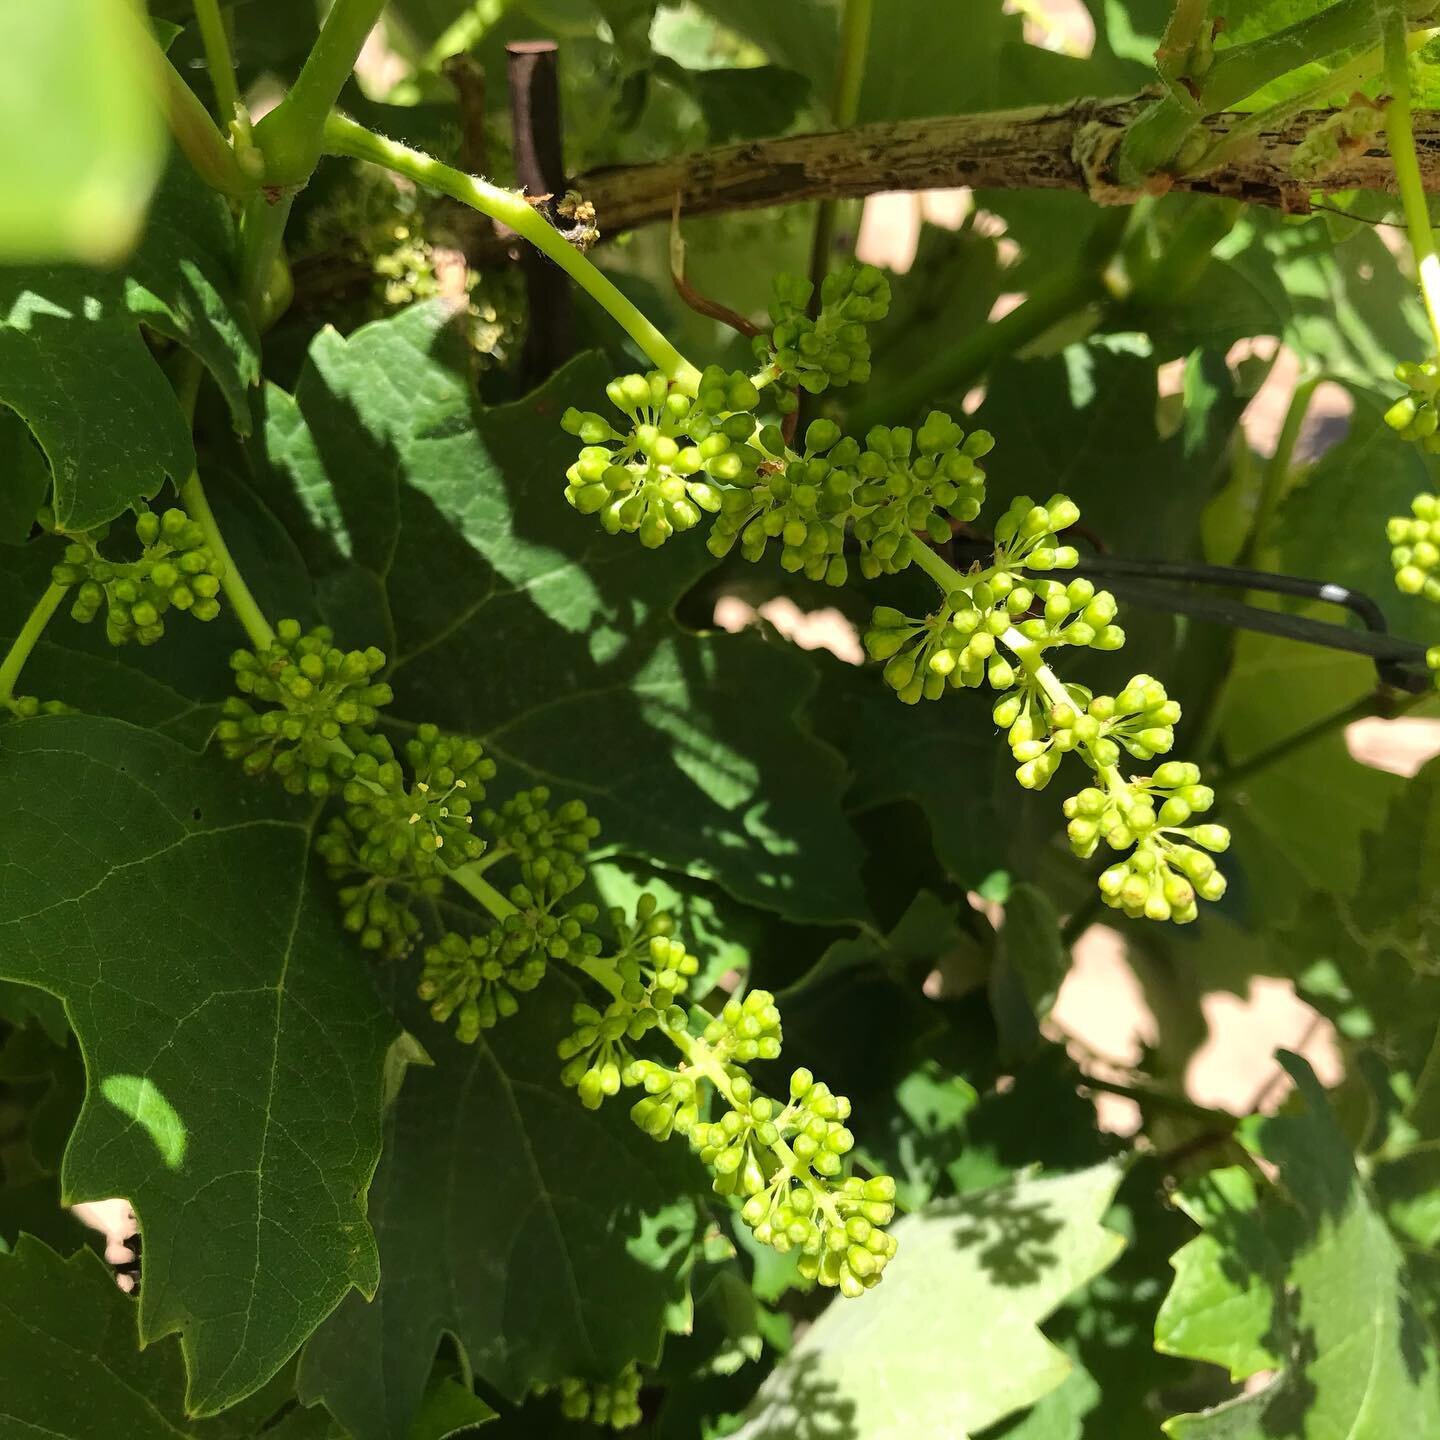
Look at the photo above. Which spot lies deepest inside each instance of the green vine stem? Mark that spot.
(216, 41)
(1182, 33)
(1157, 136)
(291, 136)
(855, 25)
(264, 280)
(197, 135)
(232, 582)
(1400, 132)
(345, 137)
(25, 641)
(197, 504)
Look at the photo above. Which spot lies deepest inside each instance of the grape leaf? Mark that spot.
(233, 1047)
(77, 186)
(549, 640)
(1352, 490)
(69, 1361)
(803, 35)
(1085, 422)
(74, 366)
(71, 1366)
(1220, 1305)
(1031, 947)
(902, 82)
(1298, 822)
(27, 481)
(993, 1264)
(1368, 963)
(941, 755)
(548, 1240)
(1355, 1352)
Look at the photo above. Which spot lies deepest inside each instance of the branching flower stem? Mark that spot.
(291, 136)
(197, 505)
(25, 641)
(699, 1057)
(345, 137)
(1027, 652)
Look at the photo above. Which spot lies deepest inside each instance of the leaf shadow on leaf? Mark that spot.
(437, 529)
(814, 1408)
(1010, 1235)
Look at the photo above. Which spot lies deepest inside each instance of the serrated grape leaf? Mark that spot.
(1297, 822)
(1350, 492)
(1031, 953)
(549, 640)
(449, 1408)
(1113, 1392)
(942, 755)
(77, 88)
(71, 1366)
(1220, 1306)
(233, 1045)
(1368, 959)
(547, 1239)
(950, 1341)
(1355, 1354)
(1368, 962)
(74, 366)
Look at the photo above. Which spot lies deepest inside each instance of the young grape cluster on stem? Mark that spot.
(415, 820)
(828, 501)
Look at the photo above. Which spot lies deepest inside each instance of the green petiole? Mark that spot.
(26, 640)
(345, 137)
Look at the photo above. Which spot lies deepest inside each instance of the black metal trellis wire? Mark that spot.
(1170, 586)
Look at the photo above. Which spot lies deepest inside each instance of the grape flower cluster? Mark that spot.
(411, 820)
(1415, 415)
(614, 1403)
(175, 569)
(812, 353)
(828, 501)
(1415, 547)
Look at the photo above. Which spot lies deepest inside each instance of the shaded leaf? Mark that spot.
(75, 367)
(1298, 822)
(71, 1366)
(232, 1044)
(546, 1238)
